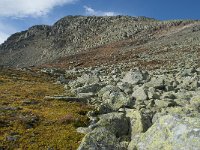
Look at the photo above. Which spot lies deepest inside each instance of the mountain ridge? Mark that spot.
(74, 35)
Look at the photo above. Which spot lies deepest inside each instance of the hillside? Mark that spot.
(88, 41)
(102, 83)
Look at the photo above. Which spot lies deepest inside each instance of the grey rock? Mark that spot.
(88, 79)
(116, 122)
(188, 72)
(133, 77)
(100, 139)
(114, 98)
(86, 95)
(83, 130)
(66, 98)
(140, 94)
(165, 103)
(125, 87)
(62, 80)
(92, 88)
(138, 122)
(156, 82)
(172, 132)
(168, 95)
(195, 102)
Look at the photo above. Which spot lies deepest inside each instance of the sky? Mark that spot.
(19, 15)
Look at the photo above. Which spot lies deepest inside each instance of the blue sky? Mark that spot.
(18, 15)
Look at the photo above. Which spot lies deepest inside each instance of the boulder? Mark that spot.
(138, 122)
(153, 93)
(134, 77)
(156, 82)
(168, 95)
(100, 139)
(172, 132)
(88, 79)
(125, 87)
(140, 94)
(195, 102)
(114, 98)
(115, 122)
(189, 83)
(92, 88)
(165, 103)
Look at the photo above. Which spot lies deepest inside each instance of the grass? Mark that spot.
(27, 121)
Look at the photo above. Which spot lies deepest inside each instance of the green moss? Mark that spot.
(32, 122)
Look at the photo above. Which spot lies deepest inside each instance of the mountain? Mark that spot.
(91, 40)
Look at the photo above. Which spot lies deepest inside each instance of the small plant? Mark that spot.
(68, 119)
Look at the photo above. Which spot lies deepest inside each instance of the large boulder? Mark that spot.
(100, 139)
(115, 122)
(172, 132)
(106, 133)
(113, 98)
(134, 77)
(88, 79)
(139, 123)
(140, 94)
(94, 88)
(157, 82)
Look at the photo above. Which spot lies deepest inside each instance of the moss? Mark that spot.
(37, 124)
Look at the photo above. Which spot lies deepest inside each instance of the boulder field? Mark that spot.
(137, 109)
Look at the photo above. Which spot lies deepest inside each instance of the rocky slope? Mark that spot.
(137, 109)
(89, 41)
(141, 75)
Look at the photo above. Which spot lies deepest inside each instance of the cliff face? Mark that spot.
(110, 37)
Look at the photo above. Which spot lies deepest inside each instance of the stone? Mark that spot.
(188, 72)
(13, 138)
(83, 130)
(198, 71)
(62, 80)
(115, 122)
(125, 87)
(156, 82)
(189, 83)
(104, 108)
(184, 95)
(100, 139)
(133, 77)
(66, 98)
(114, 98)
(140, 94)
(172, 132)
(195, 102)
(165, 103)
(153, 94)
(88, 79)
(168, 95)
(94, 88)
(138, 122)
(86, 95)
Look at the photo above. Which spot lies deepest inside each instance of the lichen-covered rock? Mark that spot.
(133, 77)
(114, 98)
(195, 102)
(100, 139)
(94, 88)
(88, 79)
(156, 82)
(172, 133)
(140, 94)
(117, 123)
(138, 122)
(165, 103)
